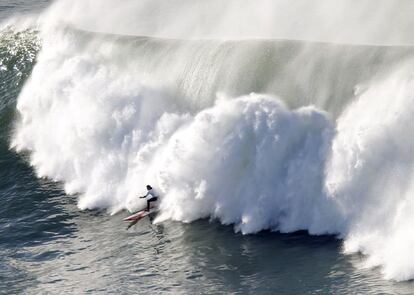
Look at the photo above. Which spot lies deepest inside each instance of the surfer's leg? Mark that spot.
(153, 199)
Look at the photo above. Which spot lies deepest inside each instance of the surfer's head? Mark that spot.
(148, 187)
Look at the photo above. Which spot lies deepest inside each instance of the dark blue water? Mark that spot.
(49, 246)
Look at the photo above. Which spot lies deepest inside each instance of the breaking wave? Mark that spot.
(262, 134)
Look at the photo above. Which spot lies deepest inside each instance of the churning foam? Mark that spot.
(105, 127)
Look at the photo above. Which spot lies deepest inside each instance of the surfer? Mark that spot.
(150, 196)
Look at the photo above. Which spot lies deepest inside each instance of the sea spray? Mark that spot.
(342, 21)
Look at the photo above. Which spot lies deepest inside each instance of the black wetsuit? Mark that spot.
(153, 199)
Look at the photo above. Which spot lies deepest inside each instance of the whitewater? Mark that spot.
(232, 121)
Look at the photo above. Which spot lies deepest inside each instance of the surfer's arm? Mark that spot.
(142, 197)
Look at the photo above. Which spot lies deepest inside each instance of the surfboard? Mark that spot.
(139, 215)
(134, 218)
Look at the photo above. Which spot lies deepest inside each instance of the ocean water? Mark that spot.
(284, 166)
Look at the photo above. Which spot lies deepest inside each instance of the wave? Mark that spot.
(262, 134)
(18, 50)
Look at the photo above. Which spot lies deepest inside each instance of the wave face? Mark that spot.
(262, 134)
